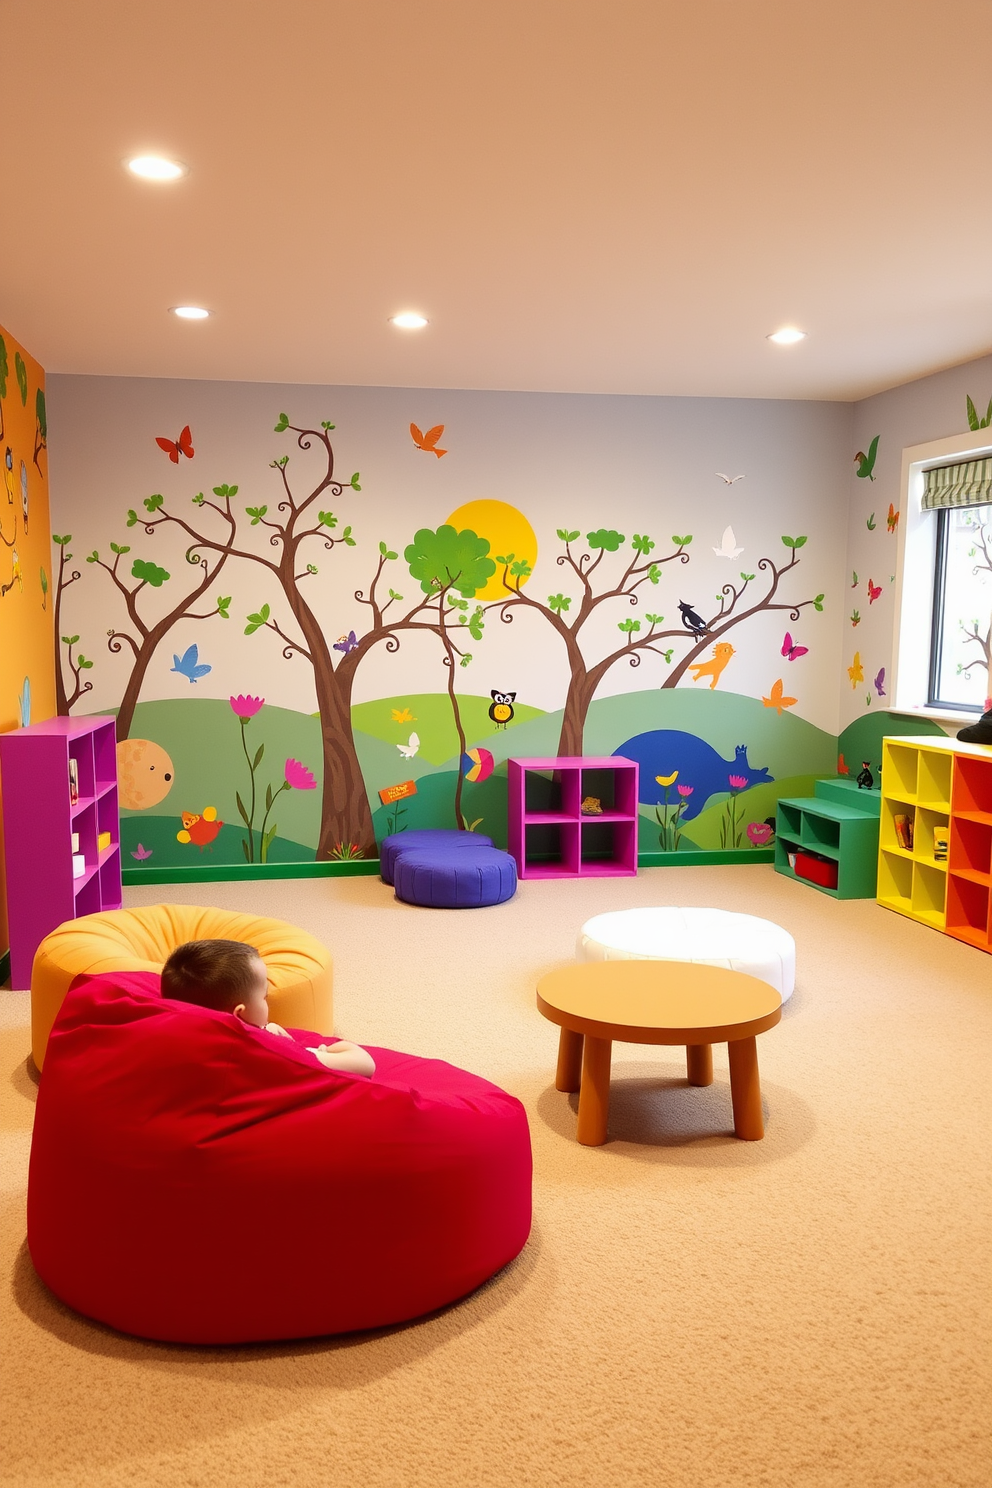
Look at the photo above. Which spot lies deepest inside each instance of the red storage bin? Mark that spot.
(822, 871)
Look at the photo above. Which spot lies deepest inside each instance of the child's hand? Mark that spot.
(345, 1055)
(275, 1028)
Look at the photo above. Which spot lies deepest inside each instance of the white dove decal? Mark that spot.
(731, 480)
(728, 548)
(409, 750)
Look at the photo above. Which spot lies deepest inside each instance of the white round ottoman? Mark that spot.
(713, 937)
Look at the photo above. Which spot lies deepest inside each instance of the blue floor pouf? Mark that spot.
(426, 837)
(465, 879)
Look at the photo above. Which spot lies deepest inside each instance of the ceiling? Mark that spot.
(581, 196)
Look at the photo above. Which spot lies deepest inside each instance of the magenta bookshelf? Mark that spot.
(40, 819)
(550, 835)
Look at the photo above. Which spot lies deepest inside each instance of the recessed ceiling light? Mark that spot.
(156, 168)
(409, 320)
(190, 312)
(786, 336)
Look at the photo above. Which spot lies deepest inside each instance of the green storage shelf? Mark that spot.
(840, 822)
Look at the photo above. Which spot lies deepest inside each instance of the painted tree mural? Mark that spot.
(142, 635)
(78, 664)
(449, 566)
(976, 633)
(639, 638)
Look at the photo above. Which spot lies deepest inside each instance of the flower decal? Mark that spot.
(758, 833)
(685, 790)
(737, 782)
(246, 707)
(298, 777)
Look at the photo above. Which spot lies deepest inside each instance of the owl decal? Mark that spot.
(501, 708)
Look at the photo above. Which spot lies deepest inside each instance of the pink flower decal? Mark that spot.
(298, 777)
(684, 790)
(737, 782)
(758, 833)
(246, 707)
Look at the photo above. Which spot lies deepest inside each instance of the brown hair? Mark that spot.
(216, 974)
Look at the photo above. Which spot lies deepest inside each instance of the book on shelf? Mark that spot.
(941, 836)
(904, 831)
(73, 782)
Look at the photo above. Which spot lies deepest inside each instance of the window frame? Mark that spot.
(912, 642)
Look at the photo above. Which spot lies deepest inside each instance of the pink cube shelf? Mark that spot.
(39, 819)
(547, 832)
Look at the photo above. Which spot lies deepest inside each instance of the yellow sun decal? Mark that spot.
(507, 530)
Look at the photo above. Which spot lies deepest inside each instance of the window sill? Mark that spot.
(938, 715)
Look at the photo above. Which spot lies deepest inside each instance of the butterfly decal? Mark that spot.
(856, 671)
(792, 652)
(408, 750)
(892, 518)
(880, 682)
(731, 480)
(346, 643)
(728, 547)
(402, 715)
(874, 590)
(176, 447)
(776, 700)
(142, 852)
(428, 441)
(189, 665)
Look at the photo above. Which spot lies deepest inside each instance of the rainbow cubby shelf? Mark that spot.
(938, 784)
(550, 836)
(39, 820)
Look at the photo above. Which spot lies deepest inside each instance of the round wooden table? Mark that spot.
(657, 1002)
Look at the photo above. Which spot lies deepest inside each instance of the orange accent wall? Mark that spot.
(26, 633)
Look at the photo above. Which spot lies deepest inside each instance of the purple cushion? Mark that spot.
(465, 879)
(441, 838)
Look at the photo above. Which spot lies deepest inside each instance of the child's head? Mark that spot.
(225, 975)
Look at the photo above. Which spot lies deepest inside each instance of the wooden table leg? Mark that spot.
(569, 1073)
(594, 1093)
(745, 1090)
(699, 1063)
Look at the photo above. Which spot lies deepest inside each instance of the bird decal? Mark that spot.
(855, 581)
(880, 682)
(722, 652)
(865, 778)
(866, 462)
(892, 519)
(776, 699)
(501, 707)
(24, 496)
(408, 750)
(15, 574)
(730, 480)
(346, 643)
(874, 590)
(856, 671)
(790, 651)
(728, 548)
(8, 474)
(199, 829)
(691, 620)
(176, 447)
(428, 441)
(189, 665)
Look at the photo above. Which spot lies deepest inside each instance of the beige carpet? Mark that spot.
(810, 1310)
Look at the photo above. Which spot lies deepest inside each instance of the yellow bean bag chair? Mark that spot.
(299, 967)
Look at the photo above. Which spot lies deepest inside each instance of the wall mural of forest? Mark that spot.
(315, 630)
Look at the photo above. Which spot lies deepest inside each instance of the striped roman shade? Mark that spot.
(968, 484)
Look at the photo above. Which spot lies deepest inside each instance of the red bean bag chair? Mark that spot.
(197, 1181)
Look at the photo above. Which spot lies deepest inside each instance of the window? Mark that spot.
(961, 629)
(943, 623)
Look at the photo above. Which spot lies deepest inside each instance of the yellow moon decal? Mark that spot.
(144, 774)
(508, 531)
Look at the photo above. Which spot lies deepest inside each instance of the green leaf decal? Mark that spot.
(641, 544)
(682, 542)
(223, 606)
(606, 538)
(256, 621)
(21, 372)
(149, 573)
(558, 603)
(153, 503)
(256, 513)
(283, 423)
